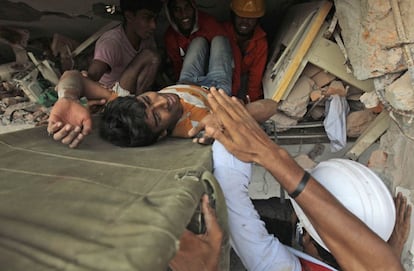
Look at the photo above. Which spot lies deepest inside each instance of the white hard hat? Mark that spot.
(360, 190)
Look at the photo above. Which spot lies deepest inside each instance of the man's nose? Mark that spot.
(181, 13)
(153, 23)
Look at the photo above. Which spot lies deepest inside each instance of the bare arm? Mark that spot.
(97, 69)
(353, 244)
(70, 121)
(260, 110)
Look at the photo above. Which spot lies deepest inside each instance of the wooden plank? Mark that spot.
(370, 135)
(303, 63)
(94, 37)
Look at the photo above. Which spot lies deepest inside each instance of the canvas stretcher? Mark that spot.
(100, 207)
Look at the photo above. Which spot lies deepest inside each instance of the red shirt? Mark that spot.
(253, 62)
(310, 266)
(206, 26)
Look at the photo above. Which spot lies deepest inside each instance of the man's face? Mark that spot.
(244, 26)
(309, 246)
(144, 23)
(163, 110)
(183, 14)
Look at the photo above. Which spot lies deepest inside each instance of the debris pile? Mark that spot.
(16, 108)
(310, 75)
(312, 93)
(29, 71)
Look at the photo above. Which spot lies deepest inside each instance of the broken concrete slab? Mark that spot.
(370, 35)
(48, 17)
(400, 94)
(295, 105)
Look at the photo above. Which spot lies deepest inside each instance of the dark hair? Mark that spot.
(170, 3)
(135, 5)
(123, 123)
(326, 255)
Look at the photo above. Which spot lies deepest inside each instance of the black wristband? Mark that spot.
(301, 185)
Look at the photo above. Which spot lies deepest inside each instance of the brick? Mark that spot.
(369, 99)
(315, 95)
(323, 78)
(358, 121)
(311, 70)
(378, 159)
(336, 87)
(282, 121)
(317, 112)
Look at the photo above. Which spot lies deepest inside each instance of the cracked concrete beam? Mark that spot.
(69, 7)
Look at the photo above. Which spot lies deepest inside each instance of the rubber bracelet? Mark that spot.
(301, 185)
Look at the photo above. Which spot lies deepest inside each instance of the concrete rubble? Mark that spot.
(19, 106)
(307, 101)
(27, 83)
(378, 36)
(372, 37)
(376, 39)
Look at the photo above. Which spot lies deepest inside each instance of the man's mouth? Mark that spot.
(186, 22)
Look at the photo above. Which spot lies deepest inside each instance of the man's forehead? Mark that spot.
(145, 97)
(146, 93)
(147, 12)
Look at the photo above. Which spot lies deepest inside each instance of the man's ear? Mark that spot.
(162, 135)
(129, 15)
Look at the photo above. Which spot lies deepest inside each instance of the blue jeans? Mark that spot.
(210, 66)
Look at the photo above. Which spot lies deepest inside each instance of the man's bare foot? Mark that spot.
(402, 224)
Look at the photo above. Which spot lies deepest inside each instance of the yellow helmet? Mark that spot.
(248, 8)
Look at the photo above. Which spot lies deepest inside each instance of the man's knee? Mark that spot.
(148, 56)
(154, 57)
(220, 40)
(199, 41)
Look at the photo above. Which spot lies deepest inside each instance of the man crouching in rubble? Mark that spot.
(129, 48)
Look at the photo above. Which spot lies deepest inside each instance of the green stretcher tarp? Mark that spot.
(98, 207)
